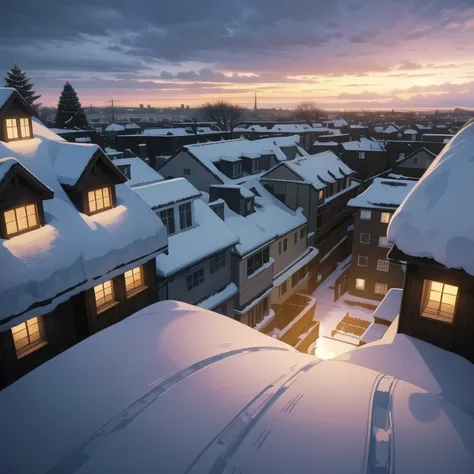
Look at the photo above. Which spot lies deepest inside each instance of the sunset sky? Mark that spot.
(337, 53)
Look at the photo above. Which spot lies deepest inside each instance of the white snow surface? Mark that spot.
(140, 173)
(177, 132)
(364, 144)
(72, 252)
(161, 399)
(383, 193)
(389, 307)
(115, 127)
(5, 93)
(167, 192)
(208, 236)
(316, 169)
(433, 220)
(220, 297)
(374, 332)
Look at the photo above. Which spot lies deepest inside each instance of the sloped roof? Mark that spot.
(221, 397)
(364, 144)
(140, 173)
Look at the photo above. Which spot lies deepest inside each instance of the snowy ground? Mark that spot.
(329, 313)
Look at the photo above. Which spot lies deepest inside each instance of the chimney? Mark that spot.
(142, 152)
(239, 199)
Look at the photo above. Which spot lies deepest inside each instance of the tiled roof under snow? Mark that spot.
(72, 252)
(435, 219)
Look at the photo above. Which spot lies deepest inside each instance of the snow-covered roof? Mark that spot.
(410, 131)
(177, 132)
(132, 126)
(209, 236)
(140, 172)
(389, 307)
(318, 143)
(434, 221)
(115, 127)
(5, 94)
(319, 169)
(220, 297)
(364, 144)
(221, 397)
(72, 252)
(338, 122)
(168, 192)
(383, 193)
(374, 332)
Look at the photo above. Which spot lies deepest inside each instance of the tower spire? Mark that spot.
(255, 106)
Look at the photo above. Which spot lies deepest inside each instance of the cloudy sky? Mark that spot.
(338, 53)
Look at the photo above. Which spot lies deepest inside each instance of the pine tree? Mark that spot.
(70, 113)
(18, 79)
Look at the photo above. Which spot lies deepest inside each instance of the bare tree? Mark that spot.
(308, 112)
(225, 114)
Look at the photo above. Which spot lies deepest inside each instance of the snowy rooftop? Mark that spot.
(318, 143)
(208, 236)
(160, 399)
(115, 127)
(140, 172)
(319, 169)
(434, 221)
(364, 144)
(5, 93)
(177, 132)
(72, 252)
(167, 192)
(383, 193)
(389, 307)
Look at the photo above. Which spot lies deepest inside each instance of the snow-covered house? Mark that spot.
(77, 244)
(366, 157)
(183, 390)
(433, 231)
(321, 185)
(197, 266)
(414, 164)
(371, 274)
(137, 172)
(230, 161)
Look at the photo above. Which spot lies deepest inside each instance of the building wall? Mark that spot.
(394, 278)
(199, 176)
(175, 287)
(457, 337)
(294, 250)
(374, 163)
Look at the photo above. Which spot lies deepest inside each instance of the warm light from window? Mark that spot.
(321, 195)
(439, 301)
(25, 131)
(360, 284)
(385, 217)
(12, 129)
(104, 294)
(20, 219)
(381, 288)
(133, 280)
(28, 336)
(99, 199)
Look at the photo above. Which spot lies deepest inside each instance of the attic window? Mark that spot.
(21, 219)
(99, 200)
(18, 128)
(438, 301)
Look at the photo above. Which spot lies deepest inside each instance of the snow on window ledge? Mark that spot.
(262, 268)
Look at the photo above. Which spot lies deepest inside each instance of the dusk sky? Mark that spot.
(337, 53)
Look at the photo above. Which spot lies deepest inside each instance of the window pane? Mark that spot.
(27, 336)
(99, 199)
(440, 302)
(450, 290)
(435, 285)
(16, 220)
(104, 294)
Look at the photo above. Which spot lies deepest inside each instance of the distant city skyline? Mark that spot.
(343, 54)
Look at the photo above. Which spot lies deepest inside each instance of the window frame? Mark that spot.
(384, 285)
(256, 261)
(425, 300)
(126, 170)
(107, 303)
(37, 215)
(19, 128)
(185, 211)
(102, 209)
(138, 288)
(31, 346)
(385, 264)
(360, 238)
(194, 279)
(359, 257)
(217, 262)
(384, 215)
(361, 155)
(167, 218)
(365, 212)
(357, 280)
(321, 195)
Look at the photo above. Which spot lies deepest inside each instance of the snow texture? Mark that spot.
(208, 236)
(218, 298)
(374, 332)
(433, 221)
(72, 252)
(235, 400)
(140, 173)
(383, 193)
(364, 144)
(319, 169)
(389, 307)
(114, 127)
(166, 193)
(5, 93)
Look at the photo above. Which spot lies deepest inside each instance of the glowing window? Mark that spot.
(439, 301)
(21, 218)
(133, 280)
(25, 131)
(385, 217)
(321, 195)
(28, 336)
(381, 288)
(360, 284)
(99, 199)
(104, 294)
(12, 129)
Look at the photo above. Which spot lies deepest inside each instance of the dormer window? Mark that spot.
(18, 128)
(21, 219)
(99, 200)
(237, 170)
(185, 216)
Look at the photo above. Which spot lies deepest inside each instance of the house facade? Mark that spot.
(79, 245)
(371, 273)
(366, 157)
(414, 164)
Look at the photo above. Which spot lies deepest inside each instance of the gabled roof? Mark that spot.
(364, 144)
(401, 160)
(140, 173)
(8, 94)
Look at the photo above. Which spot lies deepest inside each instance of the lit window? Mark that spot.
(385, 217)
(362, 261)
(383, 265)
(133, 280)
(12, 129)
(321, 195)
(381, 288)
(384, 242)
(99, 199)
(185, 216)
(20, 219)
(361, 155)
(104, 294)
(319, 278)
(364, 238)
(25, 131)
(360, 284)
(28, 336)
(365, 215)
(439, 301)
